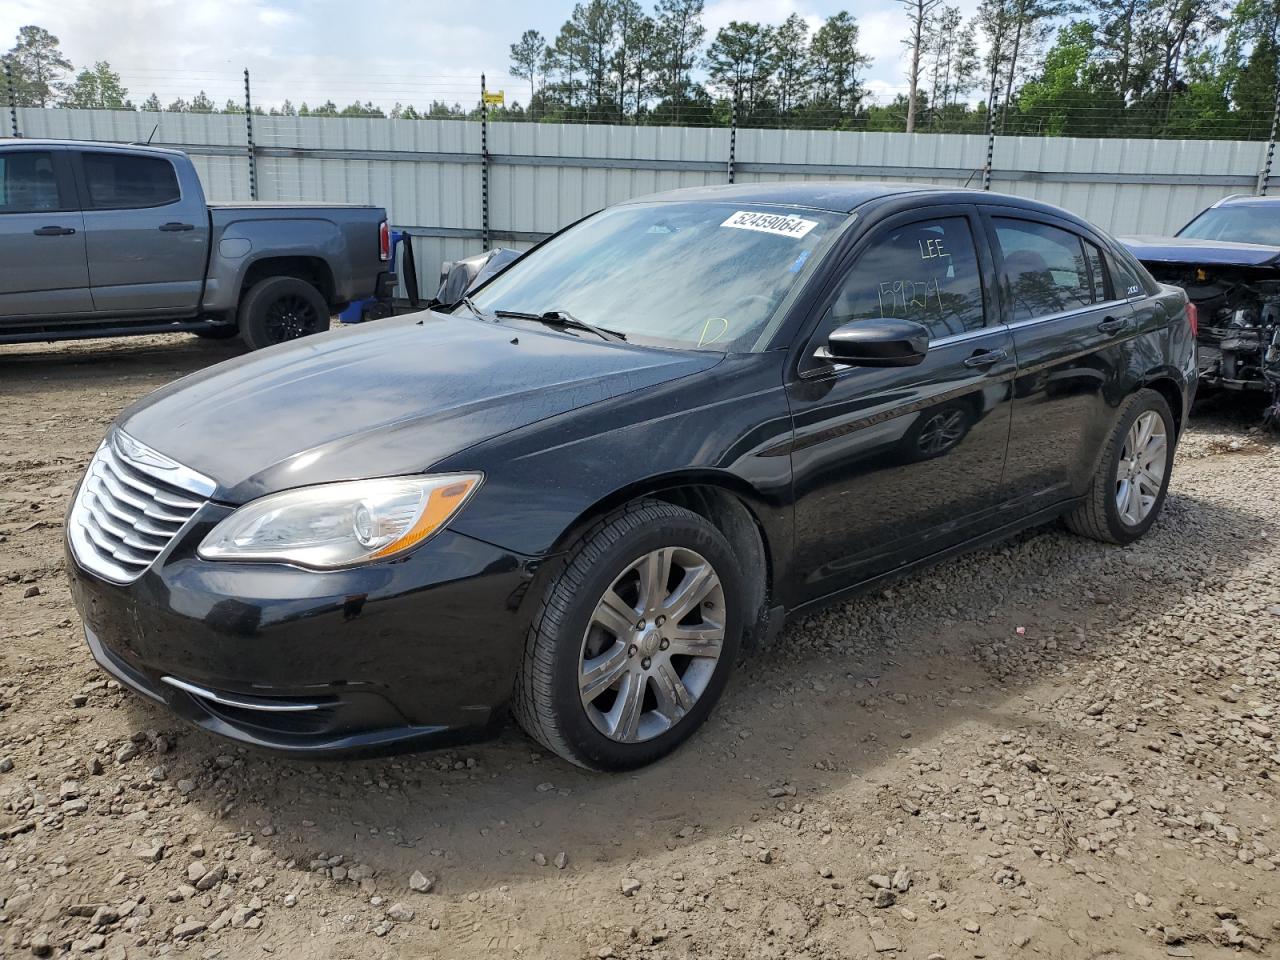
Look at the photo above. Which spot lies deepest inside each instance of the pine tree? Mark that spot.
(920, 14)
(38, 66)
(793, 68)
(838, 62)
(527, 58)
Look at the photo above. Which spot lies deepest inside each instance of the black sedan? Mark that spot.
(580, 491)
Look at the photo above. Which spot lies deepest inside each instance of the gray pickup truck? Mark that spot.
(102, 240)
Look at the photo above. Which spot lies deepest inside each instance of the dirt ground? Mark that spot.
(1049, 748)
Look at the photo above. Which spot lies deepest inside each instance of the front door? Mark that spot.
(893, 464)
(42, 247)
(147, 242)
(1073, 332)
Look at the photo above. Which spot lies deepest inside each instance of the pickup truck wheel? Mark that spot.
(279, 309)
(633, 640)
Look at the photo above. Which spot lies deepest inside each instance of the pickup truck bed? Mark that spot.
(107, 240)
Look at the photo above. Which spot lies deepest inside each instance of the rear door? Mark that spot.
(893, 464)
(1071, 330)
(147, 239)
(42, 243)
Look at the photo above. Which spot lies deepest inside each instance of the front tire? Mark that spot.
(278, 309)
(633, 640)
(1129, 489)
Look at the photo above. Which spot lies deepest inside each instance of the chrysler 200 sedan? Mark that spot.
(580, 491)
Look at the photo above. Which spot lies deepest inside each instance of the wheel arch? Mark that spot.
(730, 504)
(1167, 387)
(313, 270)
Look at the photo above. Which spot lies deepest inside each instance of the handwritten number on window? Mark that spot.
(907, 298)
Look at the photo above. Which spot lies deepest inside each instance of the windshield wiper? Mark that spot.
(563, 319)
(470, 305)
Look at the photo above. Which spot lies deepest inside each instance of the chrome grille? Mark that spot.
(132, 503)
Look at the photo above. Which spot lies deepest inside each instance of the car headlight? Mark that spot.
(336, 525)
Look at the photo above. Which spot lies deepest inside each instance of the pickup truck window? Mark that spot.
(119, 181)
(28, 183)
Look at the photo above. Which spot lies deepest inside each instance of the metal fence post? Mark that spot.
(733, 133)
(248, 132)
(991, 141)
(13, 99)
(1264, 176)
(484, 165)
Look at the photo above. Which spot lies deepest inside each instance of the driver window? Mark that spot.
(925, 271)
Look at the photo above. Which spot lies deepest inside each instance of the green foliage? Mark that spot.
(37, 66)
(96, 89)
(1095, 68)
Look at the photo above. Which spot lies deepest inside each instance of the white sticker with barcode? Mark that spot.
(778, 224)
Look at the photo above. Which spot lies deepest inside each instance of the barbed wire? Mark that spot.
(376, 96)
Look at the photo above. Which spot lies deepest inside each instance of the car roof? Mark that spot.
(838, 196)
(90, 144)
(1245, 200)
(846, 196)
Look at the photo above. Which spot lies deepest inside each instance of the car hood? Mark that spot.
(1216, 253)
(390, 398)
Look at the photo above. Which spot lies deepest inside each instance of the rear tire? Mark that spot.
(602, 683)
(278, 309)
(1129, 488)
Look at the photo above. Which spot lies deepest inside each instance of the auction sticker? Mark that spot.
(778, 224)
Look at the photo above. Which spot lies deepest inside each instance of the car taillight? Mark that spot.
(1193, 319)
(384, 241)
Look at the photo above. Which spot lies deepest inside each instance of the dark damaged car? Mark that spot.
(579, 491)
(1228, 261)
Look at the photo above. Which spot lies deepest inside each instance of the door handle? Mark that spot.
(176, 227)
(1112, 325)
(53, 231)
(986, 358)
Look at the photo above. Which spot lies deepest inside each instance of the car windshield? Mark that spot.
(1243, 224)
(687, 275)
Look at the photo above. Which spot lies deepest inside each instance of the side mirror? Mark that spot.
(883, 342)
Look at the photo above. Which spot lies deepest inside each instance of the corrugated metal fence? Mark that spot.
(427, 173)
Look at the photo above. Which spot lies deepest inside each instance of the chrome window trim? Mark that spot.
(967, 335)
(1066, 314)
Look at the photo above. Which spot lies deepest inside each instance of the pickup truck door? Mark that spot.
(147, 232)
(42, 243)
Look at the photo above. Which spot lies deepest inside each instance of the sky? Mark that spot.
(411, 51)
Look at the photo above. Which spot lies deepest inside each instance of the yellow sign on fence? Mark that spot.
(494, 98)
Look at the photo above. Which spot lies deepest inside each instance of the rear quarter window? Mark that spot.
(1132, 278)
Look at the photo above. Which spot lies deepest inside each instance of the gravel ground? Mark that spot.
(1049, 748)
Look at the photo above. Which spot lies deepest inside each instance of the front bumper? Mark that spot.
(422, 651)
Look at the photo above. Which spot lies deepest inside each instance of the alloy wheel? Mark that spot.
(1144, 460)
(652, 645)
(290, 317)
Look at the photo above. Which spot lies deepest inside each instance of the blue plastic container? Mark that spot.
(357, 310)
